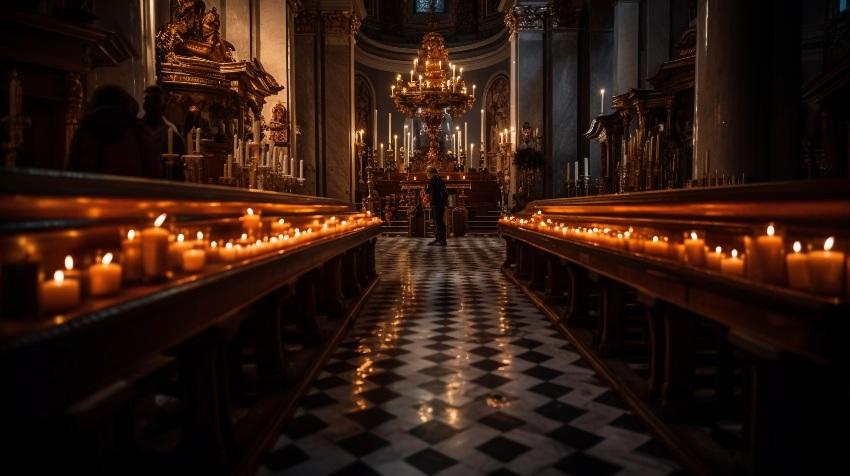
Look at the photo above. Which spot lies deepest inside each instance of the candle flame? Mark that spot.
(718, 250)
(244, 236)
(59, 276)
(159, 220)
(734, 253)
(107, 259)
(655, 239)
(259, 242)
(693, 235)
(250, 211)
(131, 235)
(797, 247)
(214, 244)
(827, 245)
(180, 237)
(280, 221)
(229, 246)
(770, 230)
(69, 262)
(200, 235)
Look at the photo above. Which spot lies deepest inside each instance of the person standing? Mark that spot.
(438, 195)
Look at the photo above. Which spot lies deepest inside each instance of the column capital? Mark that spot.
(527, 17)
(307, 22)
(340, 22)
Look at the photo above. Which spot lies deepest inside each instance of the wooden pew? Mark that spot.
(781, 349)
(73, 382)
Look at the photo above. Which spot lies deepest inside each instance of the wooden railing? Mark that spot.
(778, 356)
(231, 345)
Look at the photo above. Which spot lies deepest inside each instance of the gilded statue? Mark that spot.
(279, 125)
(195, 32)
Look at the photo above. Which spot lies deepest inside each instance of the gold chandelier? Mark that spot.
(435, 88)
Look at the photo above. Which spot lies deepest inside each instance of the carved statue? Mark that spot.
(194, 32)
(279, 125)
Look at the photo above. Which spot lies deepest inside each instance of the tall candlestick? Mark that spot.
(198, 140)
(471, 149)
(292, 166)
(382, 154)
(395, 148)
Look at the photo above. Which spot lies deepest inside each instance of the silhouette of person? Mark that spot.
(438, 195)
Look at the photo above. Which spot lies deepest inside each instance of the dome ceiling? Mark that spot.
(404, 22)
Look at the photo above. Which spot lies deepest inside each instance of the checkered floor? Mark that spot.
(451, 370)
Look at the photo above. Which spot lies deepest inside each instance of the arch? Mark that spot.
(497, 107)
(364, 104)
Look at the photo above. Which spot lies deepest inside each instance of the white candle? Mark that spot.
(826, 269)
(155, 249)
(602, 102)
(395, 147)
(131, 257)
(59, 294)
(471, 153)
(389, 127)
(576, 170)
(482, 127)
(382, 154)
(586, 167)
(797, 264)
(292, 166)
(374, 130)
(104, 277)
(301, 169)
(198, 140)
(466, 137)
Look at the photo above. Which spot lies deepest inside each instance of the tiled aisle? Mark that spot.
(451, 370)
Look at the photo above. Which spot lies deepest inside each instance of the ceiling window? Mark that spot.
(424, 6)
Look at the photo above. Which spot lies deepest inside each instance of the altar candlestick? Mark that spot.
(59, 294)
(104, 277)
(826, 269)
(473, 90)
(797, 264)
(155, 249)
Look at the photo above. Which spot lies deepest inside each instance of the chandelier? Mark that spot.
(435, 88)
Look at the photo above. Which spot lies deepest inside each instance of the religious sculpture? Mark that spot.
(194, 32)
(279, 125)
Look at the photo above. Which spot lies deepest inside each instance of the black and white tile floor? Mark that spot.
(451, 370)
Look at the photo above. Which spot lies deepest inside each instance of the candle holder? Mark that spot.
(193, 167)
(172, 167)
(585, 185)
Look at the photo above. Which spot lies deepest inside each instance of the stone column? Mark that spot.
(626, 33)
(527, 23)
(563, 103)
(657, 28)
(306, 79)
(747, 90)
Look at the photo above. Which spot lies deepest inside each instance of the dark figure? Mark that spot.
(111, 139)
(438, 195)
(154, 118)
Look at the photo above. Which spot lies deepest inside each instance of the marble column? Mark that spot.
(747, 90)
(601, 63)
(306, 78)
(563, 103)
(657, 31)
(626, 39)
(527, 23)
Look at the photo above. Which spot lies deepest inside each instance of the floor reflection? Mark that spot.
(451, 370)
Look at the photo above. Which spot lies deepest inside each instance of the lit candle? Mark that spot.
(131, 257)
(212, 252)
(104, 277)
(797, 264)
(695, 250)
(768, 257)
(657, 247)
(826, 269)
(250, 222)
(482, 127)
(473, 90)
(712, 260)
(175, 251)
(193, 260)
(374, 130)
(227, 253)
(733, 265)
(382, 155)
(602, 101)
(301, 169)
(59, 294)
(279, 226)
(155, 249)
(389, 127)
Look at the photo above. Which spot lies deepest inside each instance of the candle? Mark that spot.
(250, 222)
(59, 294)
(301, 169)
(465, 137)
(695, 250)
(175, 251)
(586, 167)
(382, 155)
(279, 226)
(170, 140)
(155, 249)
(292, 166)
(193, 260)
(576, 170)
(602, 101)
(473, 90)
(200, 242)
(482, 127)
(768, 260)
(389, 127)
(733, 265)
(131, 257)
(395, 147)
(471, 154)
(104, 277)
(797, 264)
(255, 130)
(227, 254)
(374, 130)
(826, 269)
(712, 260)
(657, 247)
(198, 140)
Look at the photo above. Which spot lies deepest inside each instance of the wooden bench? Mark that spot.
(777, 355)
(242, 340)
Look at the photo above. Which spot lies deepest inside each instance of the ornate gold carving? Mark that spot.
(526, 17)
(194, 32)
(340, 22)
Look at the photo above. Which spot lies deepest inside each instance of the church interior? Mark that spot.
(440, 237)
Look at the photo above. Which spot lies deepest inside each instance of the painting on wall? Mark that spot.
(498, 106)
